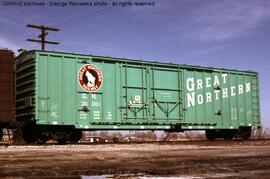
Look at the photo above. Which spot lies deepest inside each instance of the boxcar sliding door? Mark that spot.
(166, 95)
(135, 94)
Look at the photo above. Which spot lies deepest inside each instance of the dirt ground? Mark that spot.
(211, 160)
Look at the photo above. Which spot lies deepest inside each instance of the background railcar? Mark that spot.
(7, 61)
(60, 94)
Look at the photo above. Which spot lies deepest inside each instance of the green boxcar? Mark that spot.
(104, 93)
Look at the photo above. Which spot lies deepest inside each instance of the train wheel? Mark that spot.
(210, 134)
(29, 132)
(1, 133)
(29, 136)
(228, 134)
(62, 140)
(246, 135)
(75, 136)
(71, 136)
(61, 137)
(32, 134)
(245, 132)
(42, 138)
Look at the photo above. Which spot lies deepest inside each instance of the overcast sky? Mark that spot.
(232, 34)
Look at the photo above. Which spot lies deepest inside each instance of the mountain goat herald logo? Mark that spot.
(90, 78)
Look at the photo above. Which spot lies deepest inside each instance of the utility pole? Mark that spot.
(42, 35)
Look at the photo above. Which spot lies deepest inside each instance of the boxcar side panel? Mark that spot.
(221, 99)
(56, 90)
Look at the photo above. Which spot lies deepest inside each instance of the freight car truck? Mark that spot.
(58, 95)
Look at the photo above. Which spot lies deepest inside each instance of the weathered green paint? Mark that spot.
(138, 94)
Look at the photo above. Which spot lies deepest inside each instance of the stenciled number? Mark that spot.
(95, 103)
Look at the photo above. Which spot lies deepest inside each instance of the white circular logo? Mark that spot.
(90, 78)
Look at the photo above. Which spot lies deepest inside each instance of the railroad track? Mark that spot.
(189, 142)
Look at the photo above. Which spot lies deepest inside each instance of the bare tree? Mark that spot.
(151, 135)
(170, 136)
(104, 134)
(260, 133)
(194, 135)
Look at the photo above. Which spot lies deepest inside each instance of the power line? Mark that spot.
(88, 14)
(52, 19)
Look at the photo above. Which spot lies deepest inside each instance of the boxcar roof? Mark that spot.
(150, 62)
